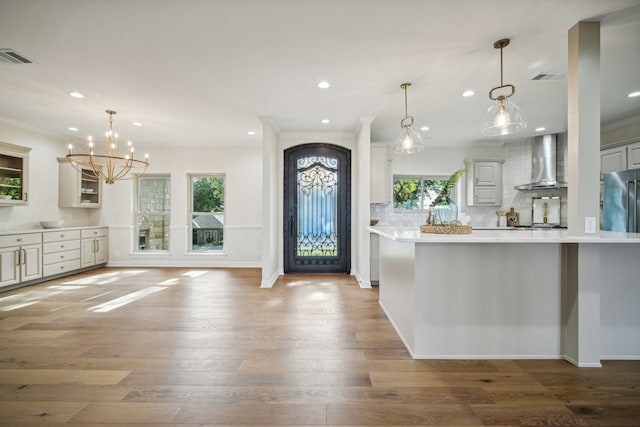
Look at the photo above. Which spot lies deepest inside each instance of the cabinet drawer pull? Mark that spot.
(61, 246)
(19, 239)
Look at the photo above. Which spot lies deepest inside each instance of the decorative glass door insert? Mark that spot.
(317, 206)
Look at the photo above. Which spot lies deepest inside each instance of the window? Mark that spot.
(207, 212)
(153, 193)
(416, 193)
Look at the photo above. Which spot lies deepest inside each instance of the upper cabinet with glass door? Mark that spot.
(14, 174)
(77, 188)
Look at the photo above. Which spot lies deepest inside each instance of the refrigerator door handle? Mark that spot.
(635, 206)
(628, 194)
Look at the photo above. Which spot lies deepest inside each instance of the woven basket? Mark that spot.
(455, 227)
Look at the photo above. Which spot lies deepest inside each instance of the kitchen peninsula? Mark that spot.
(512, 294)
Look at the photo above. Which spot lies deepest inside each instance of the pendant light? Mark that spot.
(408, 141)
(503, 117)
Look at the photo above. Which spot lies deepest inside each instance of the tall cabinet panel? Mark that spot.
(77, 189)
(633, 156)
(380, 184)
(14, 174)
(484, 182)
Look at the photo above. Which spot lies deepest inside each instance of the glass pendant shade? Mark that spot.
(408, 142)
(502, 118)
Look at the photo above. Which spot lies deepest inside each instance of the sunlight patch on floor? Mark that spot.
(195, 273)
(124, 300)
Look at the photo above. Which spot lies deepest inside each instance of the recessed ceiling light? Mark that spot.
(424, 128)
(325, 121)
(324, 85)
(76, 94)
(251, 132)
(540, 129)
(634, 94)
(136, 124)
(72, 129)
(468, 93)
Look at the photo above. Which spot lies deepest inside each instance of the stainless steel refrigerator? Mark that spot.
(620, 204)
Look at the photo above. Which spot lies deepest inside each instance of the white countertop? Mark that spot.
(412, 234)
(41, 230)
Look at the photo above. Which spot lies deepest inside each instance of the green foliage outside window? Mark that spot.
(208, 194)
(416, 194)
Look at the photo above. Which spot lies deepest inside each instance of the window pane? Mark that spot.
(208, 194)
(417, 193)
(154, 204)
(208, 233)
(207, 212)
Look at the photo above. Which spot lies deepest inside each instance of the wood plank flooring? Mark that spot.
(198, 347)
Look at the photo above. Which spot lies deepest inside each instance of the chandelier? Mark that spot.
(503, 117)
(109, 166)
(409, 141)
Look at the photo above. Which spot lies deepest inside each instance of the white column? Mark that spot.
(584, 126)
(362, 200)
(270, 249)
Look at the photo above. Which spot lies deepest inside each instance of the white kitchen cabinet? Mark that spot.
(76, 189)
(484, 182)
(60, 252)
(633, 156)
(14, 174)
(20, 258)
(93, 247)
(380, 190)
(613, 159)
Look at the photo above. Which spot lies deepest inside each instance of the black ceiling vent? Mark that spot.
(549, 76)
(10, 56)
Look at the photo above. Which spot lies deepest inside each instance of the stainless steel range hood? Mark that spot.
(544, 153)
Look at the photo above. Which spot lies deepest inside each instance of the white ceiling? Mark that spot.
(198, 72)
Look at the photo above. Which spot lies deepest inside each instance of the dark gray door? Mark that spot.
(317, 209)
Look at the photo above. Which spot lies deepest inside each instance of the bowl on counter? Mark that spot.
(52, 224)
(373, 222)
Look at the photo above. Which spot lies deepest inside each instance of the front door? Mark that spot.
(317, 209)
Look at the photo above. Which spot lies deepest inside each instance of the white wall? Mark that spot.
(243, 208)
(43, 184)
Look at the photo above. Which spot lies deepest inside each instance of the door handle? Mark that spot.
(18, 257)
(628, 206)
(635, 206)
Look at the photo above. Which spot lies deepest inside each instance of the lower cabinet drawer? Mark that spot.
(56, 257)
(51, 247)
(61, 267)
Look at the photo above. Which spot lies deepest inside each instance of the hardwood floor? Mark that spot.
(195, 347)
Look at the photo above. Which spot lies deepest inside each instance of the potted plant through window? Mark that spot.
(10, 189)
(442, 216)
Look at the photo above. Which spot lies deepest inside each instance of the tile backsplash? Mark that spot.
(516, 170)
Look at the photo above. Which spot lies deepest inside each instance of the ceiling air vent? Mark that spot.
(549, 76)
(10, 56)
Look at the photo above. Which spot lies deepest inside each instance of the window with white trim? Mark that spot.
(207, 212)
(153, 206)
(416, 193)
